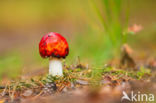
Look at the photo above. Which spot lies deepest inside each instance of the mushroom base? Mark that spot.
(55, 67)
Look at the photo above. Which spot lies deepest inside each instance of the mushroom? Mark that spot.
(55, 47)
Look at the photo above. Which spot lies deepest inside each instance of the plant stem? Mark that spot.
(55, 67)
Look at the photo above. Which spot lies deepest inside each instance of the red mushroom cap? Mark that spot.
(53, 45)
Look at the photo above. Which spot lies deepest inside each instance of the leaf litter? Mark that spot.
(80, 85)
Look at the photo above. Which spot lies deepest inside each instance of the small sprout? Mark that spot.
(142, 72)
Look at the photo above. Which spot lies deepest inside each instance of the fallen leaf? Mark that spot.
(126, 59)
(27, 93)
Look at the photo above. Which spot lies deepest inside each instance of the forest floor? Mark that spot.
(83, 84)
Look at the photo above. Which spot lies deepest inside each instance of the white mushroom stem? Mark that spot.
(55, 67)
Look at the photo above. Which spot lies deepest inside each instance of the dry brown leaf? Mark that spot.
(126, 59)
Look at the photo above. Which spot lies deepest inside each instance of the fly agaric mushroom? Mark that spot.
(55, 47)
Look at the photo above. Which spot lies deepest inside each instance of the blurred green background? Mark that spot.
(84, 24)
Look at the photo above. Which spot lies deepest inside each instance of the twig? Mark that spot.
(5, 88)
(2, 87)
(38, 95)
